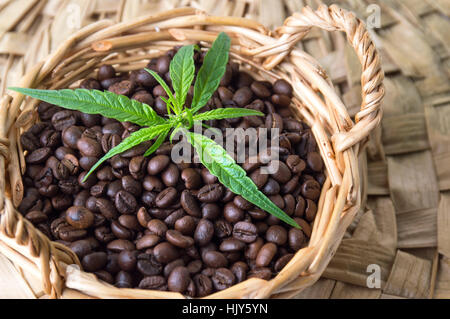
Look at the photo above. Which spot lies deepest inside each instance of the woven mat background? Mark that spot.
(403, 230)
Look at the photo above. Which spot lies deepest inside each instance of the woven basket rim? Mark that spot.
(339, 139)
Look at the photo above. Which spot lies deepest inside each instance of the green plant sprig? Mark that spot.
(180, 117)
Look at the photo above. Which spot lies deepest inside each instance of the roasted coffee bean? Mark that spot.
(127, 260)
(314, 161)
(253, 249)
(282, 87)
(260, 272)
(123, 280)
(106, 72)
(282, 173)
(210, 193)
(143, 78)
(195, 266)
(143, 97)
(157, 227)
(178, 239)
(245, 232)
(152, 183)
(125, 202)
(162, 65)
(61, 201)
(311, 189)
(165, 252)
(179, 279)
(63, 119)
(306, 228)
(282, 261)
(214, 259)
(203, 284)
(81, 248)
(222, 228)
(281, 100)
(119, 245)
(172, 265)
(191, 178)
(105, 276)
(71, 135)
(99, 189)
(166, 197)
(170, 176)
(225, 94)
(89, 147)
(157, 164)
(131, 185)
(208, 178)
(38, 156)
(266, 254)
(296, 238)
(210, 211)
(186, 225)
(274, 121)
(153, 283)
(36, 217)
(148, 265)
(232, 213)
(105, 207)
(311, 210)
(94, 261)
(50, 138)
(79, 217)
(243, 96)
(296, 164)
(120, 232)
(46, 110)
(189, 204)
(231, 245)
(271, 187)
(90, 84)
(259, 178)
(130, 222)
(29, 141)
(223, 278)
(204, 232)
(239, 270)
(260, 90)
(242, 203)
(122, 88)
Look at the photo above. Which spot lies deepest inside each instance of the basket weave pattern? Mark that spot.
(126, 46)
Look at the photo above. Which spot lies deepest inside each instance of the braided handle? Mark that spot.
(334, 18)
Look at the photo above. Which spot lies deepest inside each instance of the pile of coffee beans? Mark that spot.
(149, 223)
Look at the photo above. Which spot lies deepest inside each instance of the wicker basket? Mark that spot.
(128, 46)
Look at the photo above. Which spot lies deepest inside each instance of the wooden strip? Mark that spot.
(443, 225)
(377, 178)
(410, 277)
(442, 290)
(14, 43)
(385, 219)
(412, 180)
(322, 289)
(417, 229)
(12, 284)
(343, 290)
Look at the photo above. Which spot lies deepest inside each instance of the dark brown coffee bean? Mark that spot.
(296, 238)
(157, 227)
(271, 187)
(130, 222)
(274, 121)
(232, 213)
(311, 210)
(137, 167)
(214, 259)
(147, 241)
(191, 178)
(239, 270)
(157, 164)
(105, 207)
(253, 248)
(143, 78)
(266, 254)
(94, 261)
(106, 72)
(231, 245)
(179, 279)
(282, 261)
(245, 232)
(189, 204)
(153, 283)
(152, 183)
(296, 164)
(210, 193)
(165, 252)
(306, 228)
(122, 88)
(63, 119)
(314, 161)
(186, 225)
(203, 285)
(162, 65)
(225, 94)
(243, 96)
(194, 266)
(89, 147)
(171, 175)
(178, 239)
(204, 232)
(38, 156)
(79, 217)
(208, 178)
(211, 211)
(222, 228)
(81, 248)
(90, 84)
(120, 244)
(223, 278)
(260, 90)
(242, 203)
(259, 178)
(131, 185)
(282, 174)
(281, 100)
(29, 141)
(166, 198)
(125, 202)
(311, 189)
(36, 217)
(121, 232)
(104, 234)
(172, 265)
(127, 260)
(148, 265)
(260, 272)
(282, 87)
(71, 135)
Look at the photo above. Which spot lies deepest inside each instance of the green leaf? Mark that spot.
(108, 104)
(157, 143)
(226, 113)
(163, 84)
(182, 70)
(211, 72)
(222, 165)
(134, 139)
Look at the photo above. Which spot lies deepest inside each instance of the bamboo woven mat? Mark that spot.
(402, 232)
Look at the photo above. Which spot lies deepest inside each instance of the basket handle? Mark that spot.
(334, 18)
